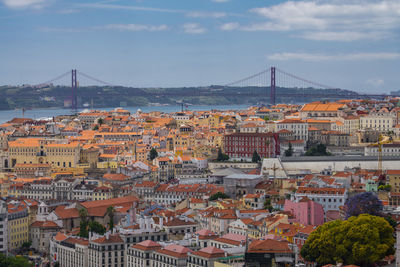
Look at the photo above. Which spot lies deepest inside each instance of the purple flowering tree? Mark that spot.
(366, 202)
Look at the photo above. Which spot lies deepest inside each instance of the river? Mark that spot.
(6, 115)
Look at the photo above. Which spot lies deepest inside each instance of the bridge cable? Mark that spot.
(55, 79)
(247, 78)
(322, 86)
(95, 79)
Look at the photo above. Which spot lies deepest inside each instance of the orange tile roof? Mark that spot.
(110, 240)
(147, 245)
(269, 246)
(109, 202)
(65, 213)
(322, 107)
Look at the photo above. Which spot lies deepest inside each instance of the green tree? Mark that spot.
(218, 195)
(26, 245)
(391, 221)
(361, 240)
(100, 121)
(318, 150)
(12, 261)
(221, 156)
(110, 212)
(96, 227)
(267, 205)
(385, 187)
(83, 226)
(256, 158)
(153, 153)
(96, 127)
(289, 151)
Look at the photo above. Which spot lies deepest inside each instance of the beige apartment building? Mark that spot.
(42, 151)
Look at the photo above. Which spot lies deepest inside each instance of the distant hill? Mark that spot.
(106, 96)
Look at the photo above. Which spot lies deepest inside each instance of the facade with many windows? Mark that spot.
(205, 257)
(42, 151)
(329, 198)
(140, 255)
(18, 221)
(3, 227)
(72, 252)
(171, 256)
(107, 251)
(243, 145)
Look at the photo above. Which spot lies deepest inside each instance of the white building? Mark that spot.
(382, 122)
(107, 250)
(238, 227)
(387, 150)
(171, 256)
(298, 127)
(3, 227)
(72, 252)
(298, 146)
(40, 233)
(330, 198)
(140, 255)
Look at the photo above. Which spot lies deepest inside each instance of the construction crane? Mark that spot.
(381, 141)
(380, 168)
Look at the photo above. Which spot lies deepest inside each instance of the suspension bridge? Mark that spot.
(268, 85)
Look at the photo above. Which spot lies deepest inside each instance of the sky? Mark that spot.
(349, 44)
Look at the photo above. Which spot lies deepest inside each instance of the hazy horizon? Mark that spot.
(351, 45)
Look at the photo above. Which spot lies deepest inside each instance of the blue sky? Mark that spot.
(350, 44)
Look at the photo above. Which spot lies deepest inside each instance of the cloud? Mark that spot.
(220, 1)
(115, 27)
(330, 20)
(324, 15)
(127, 7)
(204, 14)
(346, 36)
(136, 27)
(230, 26)
(193, 28)
(286, 56)
(37, 4)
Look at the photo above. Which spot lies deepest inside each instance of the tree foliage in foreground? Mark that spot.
(14, 261)
(361, 240)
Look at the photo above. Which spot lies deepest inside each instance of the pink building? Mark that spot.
(306, 211)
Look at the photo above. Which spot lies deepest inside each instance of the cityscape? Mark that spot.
(212, 133)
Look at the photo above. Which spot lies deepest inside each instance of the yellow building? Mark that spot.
(211, 121)
(38, 150)
(18, 221)
(102, 193)
(16, 190)
(393, 178)
(287, 231)
(4, 185)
